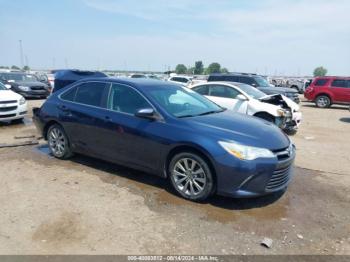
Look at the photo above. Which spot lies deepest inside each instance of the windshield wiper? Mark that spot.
(184, 116)
(213, 112)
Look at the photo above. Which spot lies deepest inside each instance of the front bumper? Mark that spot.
(243, 179)
(19, 111)
(295, 121)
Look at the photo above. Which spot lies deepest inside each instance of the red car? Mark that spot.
(328, 90)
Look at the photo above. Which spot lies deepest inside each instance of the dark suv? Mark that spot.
(27, 85)
(257, 81)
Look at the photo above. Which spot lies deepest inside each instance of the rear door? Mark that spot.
(226, 96)
(340, 90)
(82, 112)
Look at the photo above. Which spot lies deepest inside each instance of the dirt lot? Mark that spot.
(87, 206)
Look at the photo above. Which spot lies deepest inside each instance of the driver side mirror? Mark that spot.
(241, 97)
(147, 113)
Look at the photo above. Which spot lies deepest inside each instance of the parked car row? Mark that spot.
(171, 131)
(27, 85)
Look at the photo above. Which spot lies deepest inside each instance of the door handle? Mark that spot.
(108, 119)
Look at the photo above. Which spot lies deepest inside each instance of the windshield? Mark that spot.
(21, 77)
(2, 87)
(183, 102)
(261, 81)
(252, 91)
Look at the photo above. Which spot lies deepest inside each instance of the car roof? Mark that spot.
(234, 74)
(139, 83)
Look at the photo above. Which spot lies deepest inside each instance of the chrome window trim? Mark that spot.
(109, 92)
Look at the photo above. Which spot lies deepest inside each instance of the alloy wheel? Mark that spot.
(322, 101)
(189, 177)
(57, 142)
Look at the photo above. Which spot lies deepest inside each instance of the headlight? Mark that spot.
(24, 88)
(7, 86)
(281, 112)
(246, 152)
(22, 101)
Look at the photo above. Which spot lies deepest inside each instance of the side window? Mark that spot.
(321, 82)
(231, 78)
(203, 90)
(70, 94)
(91, 93)
(247, 80)
(126, 100)
(223, 91)
(214, 78)
(339, 83)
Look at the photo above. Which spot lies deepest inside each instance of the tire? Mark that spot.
(58, 142)
(323, 101)
(191, 176)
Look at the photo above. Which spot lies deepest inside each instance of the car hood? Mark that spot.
(277, 90)
(6, 95)
(29, 84)
(241, 128)
(290, 103)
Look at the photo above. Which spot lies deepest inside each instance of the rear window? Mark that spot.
(340, 83)
(91, 93)
(320, 82)
(203, 90)
(180, 79)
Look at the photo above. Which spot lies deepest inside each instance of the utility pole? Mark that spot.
(26, 60)
(21, 53)
(66, 63)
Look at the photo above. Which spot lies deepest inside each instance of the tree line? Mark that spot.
(199, 69)
(25, 68)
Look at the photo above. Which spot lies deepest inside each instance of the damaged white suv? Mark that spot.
(245, 99)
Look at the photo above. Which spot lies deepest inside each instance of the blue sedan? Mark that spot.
(167, 130)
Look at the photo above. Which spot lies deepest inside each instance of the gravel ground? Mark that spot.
(87, 206)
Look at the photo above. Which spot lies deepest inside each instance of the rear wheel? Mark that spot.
(58, 142)
(191, 176)
(323, 101)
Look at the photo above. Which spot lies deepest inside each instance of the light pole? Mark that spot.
(21, 53)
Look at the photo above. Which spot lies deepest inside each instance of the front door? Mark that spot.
(131, 140)
(226, 96)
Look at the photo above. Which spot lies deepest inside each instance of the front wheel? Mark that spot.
(58, 142)
(191, 176)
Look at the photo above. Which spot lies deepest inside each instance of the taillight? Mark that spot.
(309, 89)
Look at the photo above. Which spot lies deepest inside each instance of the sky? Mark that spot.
(280, 37)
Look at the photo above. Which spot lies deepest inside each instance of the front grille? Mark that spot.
(282, 154)
(34, 88)
(5, 116)
(6, 109)
(8, 102)
(279, 178)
